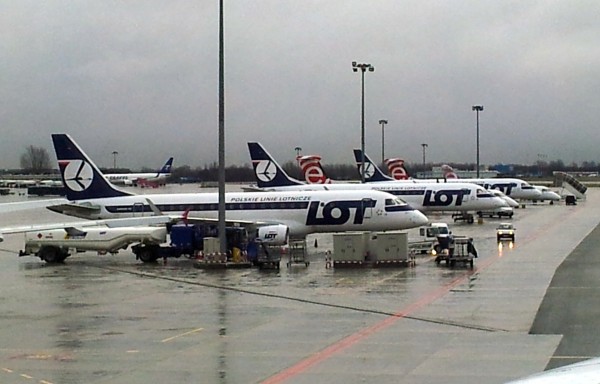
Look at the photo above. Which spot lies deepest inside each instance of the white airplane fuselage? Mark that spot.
(133, 178)
(421, 196)
(303, 212)
(513, 188)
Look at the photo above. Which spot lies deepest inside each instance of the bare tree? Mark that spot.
(35, 160)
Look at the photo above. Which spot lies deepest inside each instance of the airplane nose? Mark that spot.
(419, 218)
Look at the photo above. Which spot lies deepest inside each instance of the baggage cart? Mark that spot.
(297, 253)
(460, 250)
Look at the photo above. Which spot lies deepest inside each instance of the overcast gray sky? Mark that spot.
(141, 78)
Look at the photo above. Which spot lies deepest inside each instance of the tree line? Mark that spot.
(36, 160)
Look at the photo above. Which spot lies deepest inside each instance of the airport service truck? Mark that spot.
(428, 236)
(148, 243)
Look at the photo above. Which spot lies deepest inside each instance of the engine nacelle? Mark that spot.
(277, 234)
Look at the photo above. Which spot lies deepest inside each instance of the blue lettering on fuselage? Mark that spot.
(505, 188)
(342, 209)
(444, 197)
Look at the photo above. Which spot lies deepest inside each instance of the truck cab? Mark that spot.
(428, 236)
(433, 230)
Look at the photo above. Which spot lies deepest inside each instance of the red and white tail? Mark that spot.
(396, 168)
(312, 169)
(448, 172)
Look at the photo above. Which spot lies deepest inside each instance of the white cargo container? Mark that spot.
(390, 248)
(350, 247)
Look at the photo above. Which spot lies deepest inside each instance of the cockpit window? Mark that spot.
(482, 192)
(393, 202)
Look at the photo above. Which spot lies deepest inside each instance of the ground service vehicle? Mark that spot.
(188, 240)
(149, 243)
(428, 237)
(505, 231)
(459, 249)
(498, 212)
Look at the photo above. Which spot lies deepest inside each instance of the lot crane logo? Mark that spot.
(369, 170)
(265, 170)
(77, 174)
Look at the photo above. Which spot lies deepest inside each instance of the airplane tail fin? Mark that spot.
(313, 170)
(81, 177)
(167, 167)
(396, 168)
(266, 170)
(448, 172)
(372, 171)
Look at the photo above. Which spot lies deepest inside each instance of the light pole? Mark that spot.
(424, 145)
(115, 153)
(222, 211)
(363, 68)
(383, 123)
(477, 109)
(298, 150)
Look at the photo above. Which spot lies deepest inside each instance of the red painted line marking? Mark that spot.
(360, 335)
(347, 342)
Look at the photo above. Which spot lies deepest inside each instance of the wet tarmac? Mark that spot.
(111, 319)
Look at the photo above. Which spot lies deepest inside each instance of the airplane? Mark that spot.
(315, 174)
(398, 172)
(514, 188)
(145, 179)
(583, 372)
(294, 214)
(547, 193)
(422, 196)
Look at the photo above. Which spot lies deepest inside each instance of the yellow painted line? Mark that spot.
(26, 376)
(183, 334)
(7, 370)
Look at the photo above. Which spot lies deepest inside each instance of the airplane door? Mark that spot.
(367, 207)
(138, 209)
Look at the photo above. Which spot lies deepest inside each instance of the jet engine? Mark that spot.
(277, 234)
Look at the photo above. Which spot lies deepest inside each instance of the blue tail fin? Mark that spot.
(80, 176)
(167, 167)
(372, 171)
(266, 170)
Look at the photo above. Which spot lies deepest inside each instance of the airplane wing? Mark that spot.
(74, 209)
(584, 372)
(24, 205)
(232, 223)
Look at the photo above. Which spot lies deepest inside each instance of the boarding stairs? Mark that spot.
(570, 184)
